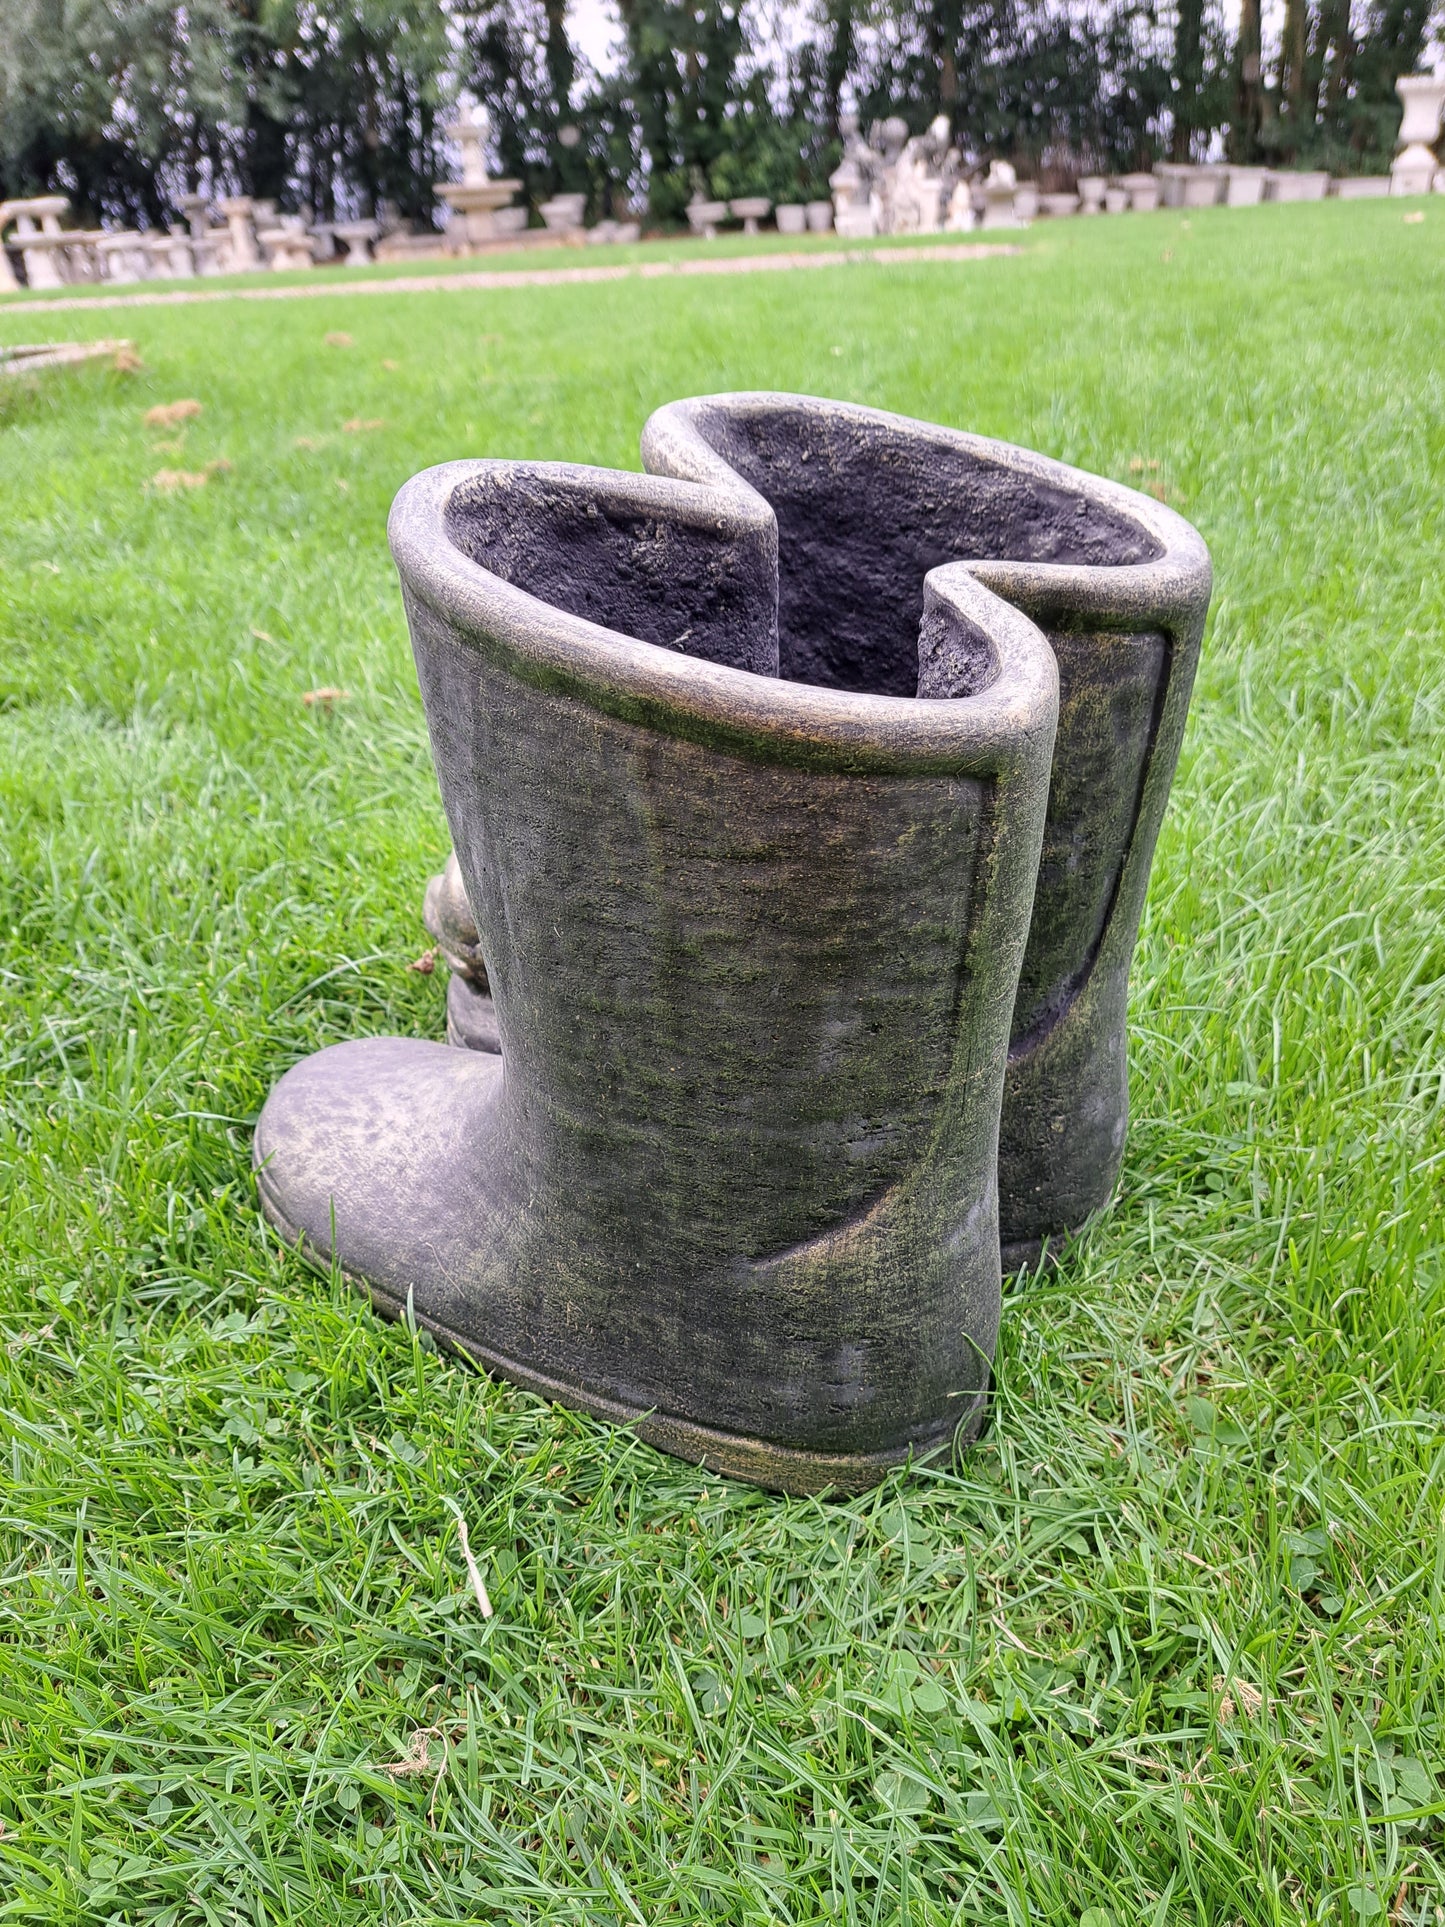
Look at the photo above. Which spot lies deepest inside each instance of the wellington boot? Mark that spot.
(866, 505)
(753, 947)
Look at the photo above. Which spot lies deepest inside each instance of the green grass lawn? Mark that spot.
(1167, 1645)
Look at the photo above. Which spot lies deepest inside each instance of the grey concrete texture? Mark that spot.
(748, 769)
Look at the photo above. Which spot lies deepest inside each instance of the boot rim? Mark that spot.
(1112, 595)
(973, 735)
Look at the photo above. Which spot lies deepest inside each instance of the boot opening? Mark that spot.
(865, 509)
(574, 542)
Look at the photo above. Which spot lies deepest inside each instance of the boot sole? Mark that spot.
(777, 1468)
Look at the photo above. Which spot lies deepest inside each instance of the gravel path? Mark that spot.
(466, 283)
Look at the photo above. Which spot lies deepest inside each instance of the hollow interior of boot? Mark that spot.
(577, 544)
(865, 509)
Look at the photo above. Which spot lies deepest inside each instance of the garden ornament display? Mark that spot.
(866, 504)
(746, 765)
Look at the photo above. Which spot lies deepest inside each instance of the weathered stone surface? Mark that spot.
(754, 941)
(866, 505)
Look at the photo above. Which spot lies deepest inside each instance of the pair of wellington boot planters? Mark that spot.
(803, 793)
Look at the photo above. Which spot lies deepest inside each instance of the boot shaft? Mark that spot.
(753, 945)
(866, 505)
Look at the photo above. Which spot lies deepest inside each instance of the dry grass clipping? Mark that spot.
(166, 481)
(169, 414)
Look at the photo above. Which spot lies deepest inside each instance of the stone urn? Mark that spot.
(1092, 188)
(1058, 207)
(791, 217)
(1295, 184)
(751, 210)
(564, 213)
(1143, 192)
(1244, 186)
(820, 216)
(778, 889)
(1201, 187)
(1422, 96)
(703, 217)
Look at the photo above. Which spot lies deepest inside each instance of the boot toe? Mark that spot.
(354, 1145)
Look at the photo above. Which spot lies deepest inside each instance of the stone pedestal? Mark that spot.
(997, 190)
(204, 238)
(855, 222)
(614, 232)
(1295, 184)
(854, 215)
(82, 254)
(1361, 187)
(288, 245)
(356, 239)
(1413, 169)
(125, 256)
(960, 218)
(171, 254)
(242, 254)
(39, 238)
(1026, 202)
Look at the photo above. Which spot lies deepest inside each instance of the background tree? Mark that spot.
(334, 105)
(116, 102)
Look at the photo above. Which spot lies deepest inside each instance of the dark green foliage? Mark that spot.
(342, 102)
(126, 104)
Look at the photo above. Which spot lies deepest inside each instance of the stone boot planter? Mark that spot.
(754, 940)
(866, 504)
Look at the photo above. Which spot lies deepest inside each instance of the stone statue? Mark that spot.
(920, 187)
(855, 208)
